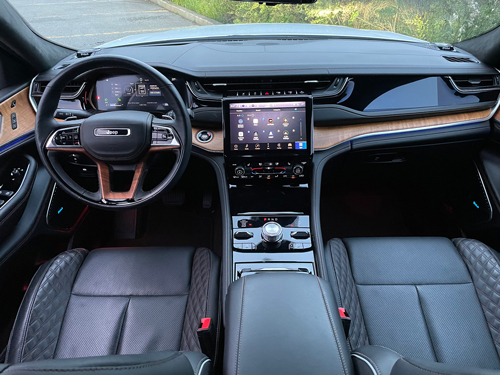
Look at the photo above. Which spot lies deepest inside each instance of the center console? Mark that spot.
(267, 155)
(283, 323)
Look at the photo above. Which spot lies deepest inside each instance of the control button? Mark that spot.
(247, 246)
(239, 171)
(272, 232)
(300, 235)
(240, 235)
(298, 169)
(6, 193)
(13, 121)
(13, 104)
(204, 136)
(238, 245)
(290, 92)
(278, 93)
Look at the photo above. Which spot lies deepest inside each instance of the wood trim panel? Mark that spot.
(215, 145)
(25, 115)
(325, 137)
(105, 181)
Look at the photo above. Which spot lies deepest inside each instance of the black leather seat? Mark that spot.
(116, 301)
(418, 305)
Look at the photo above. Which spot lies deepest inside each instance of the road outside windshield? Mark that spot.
(87, 23)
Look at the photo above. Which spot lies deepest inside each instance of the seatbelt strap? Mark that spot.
(346, 321)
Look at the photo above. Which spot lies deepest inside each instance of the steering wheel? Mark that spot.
(116, 141)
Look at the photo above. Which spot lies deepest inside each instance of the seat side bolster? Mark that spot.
(158, 363)
(203, 297)
(39, 320)
(344, 287)
(484, 268)
(374, 360)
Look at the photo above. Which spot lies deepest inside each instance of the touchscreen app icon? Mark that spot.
(255, 121)
(270, 121)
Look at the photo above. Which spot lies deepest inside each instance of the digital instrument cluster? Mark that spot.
(131, 92)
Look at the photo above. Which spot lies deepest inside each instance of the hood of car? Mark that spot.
(264, 30)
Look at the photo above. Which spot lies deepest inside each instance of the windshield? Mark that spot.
(81, 24)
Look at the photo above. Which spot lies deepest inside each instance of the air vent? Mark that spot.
(71, 91)
(471, 84)
(216, 88)
(458, 59)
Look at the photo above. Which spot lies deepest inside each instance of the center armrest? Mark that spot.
(284, 323)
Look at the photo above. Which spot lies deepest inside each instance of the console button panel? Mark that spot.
(295, 233)
(253, 170)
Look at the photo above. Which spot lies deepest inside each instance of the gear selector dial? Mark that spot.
(272, 232)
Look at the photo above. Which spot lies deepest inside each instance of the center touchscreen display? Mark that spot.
(268, 126)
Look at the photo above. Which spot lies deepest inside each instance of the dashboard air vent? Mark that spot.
(459, 59)
(71, 90)
(216, 88)
(469, 84)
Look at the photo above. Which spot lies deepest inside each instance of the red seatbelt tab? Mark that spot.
(206, 337)
(346, 321)
(205, 323)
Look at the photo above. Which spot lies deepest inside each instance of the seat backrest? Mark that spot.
(415, 296)
(116, 301)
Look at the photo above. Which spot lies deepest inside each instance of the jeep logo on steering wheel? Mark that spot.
(107, 132)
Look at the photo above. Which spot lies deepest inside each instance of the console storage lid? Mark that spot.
(284, 323)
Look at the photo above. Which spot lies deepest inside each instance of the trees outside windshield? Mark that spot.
(447, 21)
(89, 23)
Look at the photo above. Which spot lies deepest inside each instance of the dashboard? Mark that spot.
(355, 88)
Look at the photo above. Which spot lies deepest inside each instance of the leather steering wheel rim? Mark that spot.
(46, 126)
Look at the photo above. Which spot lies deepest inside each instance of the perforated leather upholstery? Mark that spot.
(116, 301)
(429, 299)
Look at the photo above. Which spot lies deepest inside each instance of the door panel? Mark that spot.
(17, 120)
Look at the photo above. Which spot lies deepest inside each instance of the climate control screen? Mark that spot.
(261, 126)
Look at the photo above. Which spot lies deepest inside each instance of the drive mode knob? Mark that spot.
(298, 169)
(272, 232)
(239, 171)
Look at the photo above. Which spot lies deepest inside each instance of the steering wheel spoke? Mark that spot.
(164, 136)
(105, 173)
(66, 138)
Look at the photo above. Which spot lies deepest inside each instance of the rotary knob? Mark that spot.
(298, 169)
(272, 232)
(239, 171)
